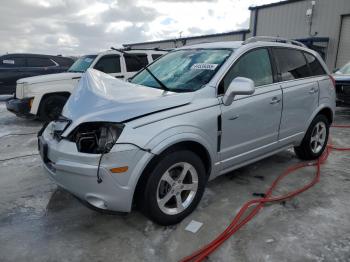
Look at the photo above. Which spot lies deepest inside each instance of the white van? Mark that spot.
(44, 96)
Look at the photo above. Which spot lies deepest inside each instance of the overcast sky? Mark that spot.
(74, 27)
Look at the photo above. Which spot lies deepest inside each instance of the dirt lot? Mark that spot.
(40, 222)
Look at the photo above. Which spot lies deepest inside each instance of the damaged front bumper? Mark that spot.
(77, 172)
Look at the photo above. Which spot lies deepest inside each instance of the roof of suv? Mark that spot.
(238, 44)
(226, 44)
(32, 55)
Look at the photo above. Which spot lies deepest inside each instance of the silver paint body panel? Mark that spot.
(253, 127)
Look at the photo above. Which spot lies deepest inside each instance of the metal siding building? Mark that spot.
(326, 29)
(173, 43)
(288, 19)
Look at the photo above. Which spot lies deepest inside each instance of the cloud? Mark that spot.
(130, 13)
(76, 27)
(185, 1)
(71, 26)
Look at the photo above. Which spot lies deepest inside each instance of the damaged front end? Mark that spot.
(96, 137)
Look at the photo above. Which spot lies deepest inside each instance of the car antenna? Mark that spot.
(164, 87)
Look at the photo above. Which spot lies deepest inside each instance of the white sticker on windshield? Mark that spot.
(11, 62)
(204, 66)
(88, 60)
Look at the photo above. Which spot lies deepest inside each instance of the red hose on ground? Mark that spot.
(240, 221)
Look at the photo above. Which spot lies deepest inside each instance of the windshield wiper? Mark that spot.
(163, 86)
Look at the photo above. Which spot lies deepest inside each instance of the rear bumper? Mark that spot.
(77, 172)
(20, 107)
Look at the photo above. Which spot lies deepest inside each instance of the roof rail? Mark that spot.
(129, 48)
(272, 39)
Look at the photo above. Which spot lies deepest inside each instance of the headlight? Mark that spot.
(59, 126)
(96, 137)
(20, 90)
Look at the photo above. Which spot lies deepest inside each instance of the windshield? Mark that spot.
(82, 64)
(183, 70)
(345, 70)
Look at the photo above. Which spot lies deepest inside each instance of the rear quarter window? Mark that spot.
(291, 64)
(39, 62)
(315, 66)
(63, 61)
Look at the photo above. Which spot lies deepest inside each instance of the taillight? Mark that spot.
(333, 80)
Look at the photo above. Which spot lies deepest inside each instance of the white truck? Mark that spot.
(44, 96)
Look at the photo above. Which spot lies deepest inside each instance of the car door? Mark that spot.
(300, 92)
(250, 125)
(110, 64)
(10, 71)
(133, 65)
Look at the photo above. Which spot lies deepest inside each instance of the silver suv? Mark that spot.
(194, 114)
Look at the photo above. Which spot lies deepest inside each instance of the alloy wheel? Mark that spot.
(177, 188)
(318, 137)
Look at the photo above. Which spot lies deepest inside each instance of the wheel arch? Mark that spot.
(191, 145)
(62, 93)
(322, 109)
(326, 111)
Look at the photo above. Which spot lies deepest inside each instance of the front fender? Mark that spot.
(38, 91)
(184, 137)
(184, 134)
(179, 134)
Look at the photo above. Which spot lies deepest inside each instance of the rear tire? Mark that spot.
(174, 187)
(315, 140)
(51, 107)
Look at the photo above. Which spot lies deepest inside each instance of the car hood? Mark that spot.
(100, 97)
(49, 78)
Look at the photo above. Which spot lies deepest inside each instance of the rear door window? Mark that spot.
(109, 64)
(133, 64)
(315, 66)
(291, 64)
(254, 65)
(12, 62)
(39, 62)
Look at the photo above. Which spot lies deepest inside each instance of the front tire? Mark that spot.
(315, 140)
(174, 187)
(51, 107)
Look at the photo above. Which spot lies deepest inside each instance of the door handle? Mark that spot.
(119, 76)
(313, 90)
(275, 100)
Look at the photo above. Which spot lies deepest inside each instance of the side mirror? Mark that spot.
(239, 86)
